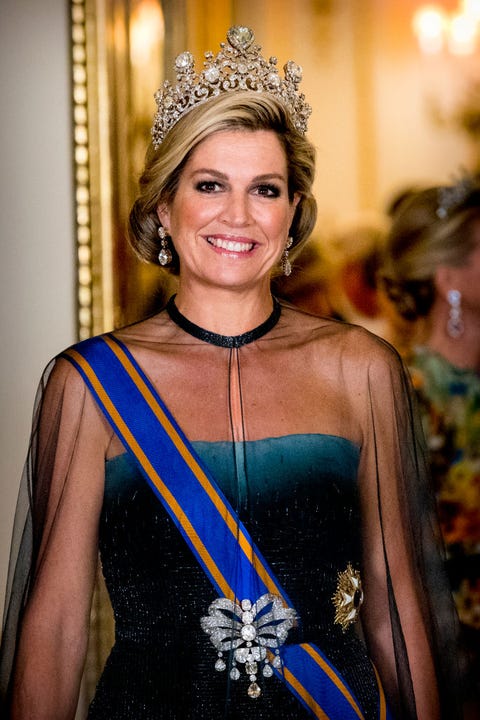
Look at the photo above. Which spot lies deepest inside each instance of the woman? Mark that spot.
(244, 516)
(432, 274)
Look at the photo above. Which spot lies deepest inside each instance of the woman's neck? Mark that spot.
(226, 312)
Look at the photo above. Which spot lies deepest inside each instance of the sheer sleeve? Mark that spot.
(408, 616)
(54, 551)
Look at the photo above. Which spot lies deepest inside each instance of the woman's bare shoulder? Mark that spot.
(344, 337)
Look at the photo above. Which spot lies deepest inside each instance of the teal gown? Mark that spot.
(298, 496)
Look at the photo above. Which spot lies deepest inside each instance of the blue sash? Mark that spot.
(219, 541)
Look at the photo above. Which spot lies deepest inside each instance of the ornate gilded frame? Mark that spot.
(92, 229)
(111, 116)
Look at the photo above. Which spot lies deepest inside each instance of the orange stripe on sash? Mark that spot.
(333, 677)
(381, 695)
(304, 694)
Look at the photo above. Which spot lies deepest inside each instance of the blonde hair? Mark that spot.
(240, 110)
(419, 242)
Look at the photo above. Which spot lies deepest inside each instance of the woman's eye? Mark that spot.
(207, 186)
(268, 190)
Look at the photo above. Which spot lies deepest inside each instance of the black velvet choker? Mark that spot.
(228, 341)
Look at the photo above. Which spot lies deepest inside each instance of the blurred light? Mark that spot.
(462, 35)
(429, 25)
(472, 9)
(147, 30)
(436, 30)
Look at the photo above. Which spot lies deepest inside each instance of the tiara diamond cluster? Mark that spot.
(237, 66)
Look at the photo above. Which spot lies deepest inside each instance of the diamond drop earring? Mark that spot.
(165, 254)
(286, 264)
(455, 326)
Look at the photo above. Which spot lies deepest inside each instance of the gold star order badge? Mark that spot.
(348, 597)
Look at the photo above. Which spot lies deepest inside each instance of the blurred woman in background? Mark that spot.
(431, 274)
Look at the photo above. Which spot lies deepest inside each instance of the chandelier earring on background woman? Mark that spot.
(455, 326)
(165, 254)
(286, 264)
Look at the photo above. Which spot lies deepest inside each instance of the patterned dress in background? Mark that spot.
(450, 404)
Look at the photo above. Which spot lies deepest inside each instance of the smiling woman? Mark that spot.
(161, 175)
(239, 464)
(230, 219)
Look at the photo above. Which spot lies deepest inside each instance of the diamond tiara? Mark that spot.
(238, 66)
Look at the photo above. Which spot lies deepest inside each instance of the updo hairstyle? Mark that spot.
(425, 235)
(230, 111)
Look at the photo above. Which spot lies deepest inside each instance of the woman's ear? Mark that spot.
(163, 215)
(293, 207)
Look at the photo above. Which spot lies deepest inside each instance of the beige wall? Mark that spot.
(37, 300)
